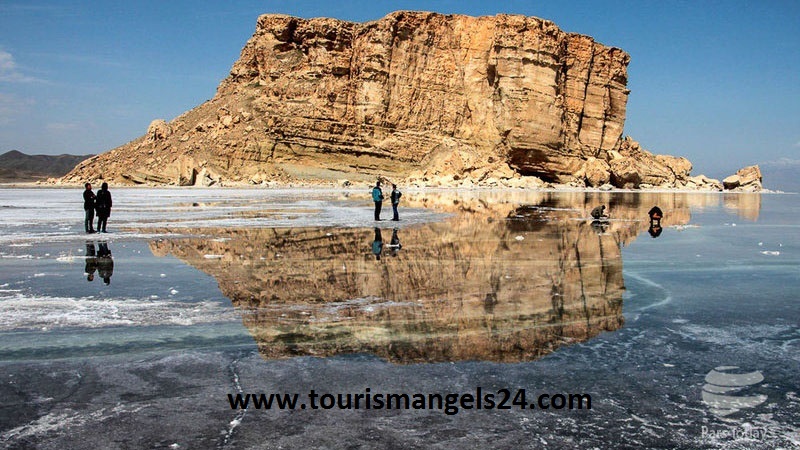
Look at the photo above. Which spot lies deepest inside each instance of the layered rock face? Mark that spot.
(499, 281)
(747, 179)
(432, 99)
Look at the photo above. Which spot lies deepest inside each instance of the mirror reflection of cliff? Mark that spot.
(504, 279)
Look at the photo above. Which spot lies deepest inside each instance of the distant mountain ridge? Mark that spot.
(18, 166)
(782, 174)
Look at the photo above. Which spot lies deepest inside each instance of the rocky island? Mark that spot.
(422, 98)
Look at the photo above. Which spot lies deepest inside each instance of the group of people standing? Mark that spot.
(101, 203)
(377, 198)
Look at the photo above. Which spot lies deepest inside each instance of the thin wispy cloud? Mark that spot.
(10, 71)
(12, 106)
(62, 126)
(10, 9)
(97, 60)
(782, 162)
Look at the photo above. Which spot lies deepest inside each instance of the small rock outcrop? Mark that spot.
(158, 130)
(747, 179)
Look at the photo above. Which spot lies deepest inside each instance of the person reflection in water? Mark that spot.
(394, 243)
(599, 226)
(91, 261)
(105, 264)
(656, 215)
(377, 244)
(654, 230)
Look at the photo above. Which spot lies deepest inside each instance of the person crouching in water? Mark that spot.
(599, 212)
(103, 206)
(88, 206)
(395, 197)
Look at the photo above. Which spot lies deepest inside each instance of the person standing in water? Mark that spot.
(103, 206)
(395, 197)
(377, 197)
(88, 207)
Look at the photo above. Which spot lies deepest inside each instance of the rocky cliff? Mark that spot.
(429, 98)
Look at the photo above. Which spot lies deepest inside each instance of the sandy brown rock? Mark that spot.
(633, 166)
(158, 130)
(702, 182)
(435, 99)
(747, 179)
(390, 96)
(596, 172)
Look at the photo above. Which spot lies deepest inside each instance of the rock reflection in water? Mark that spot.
(500, 280)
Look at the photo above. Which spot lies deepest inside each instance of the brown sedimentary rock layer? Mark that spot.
(502, 282)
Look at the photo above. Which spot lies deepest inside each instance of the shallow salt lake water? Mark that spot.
(686, 340)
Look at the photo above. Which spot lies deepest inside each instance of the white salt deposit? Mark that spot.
(19, 310)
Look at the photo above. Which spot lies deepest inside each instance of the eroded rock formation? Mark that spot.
(499, 281)
(433, 99)
(747, 179)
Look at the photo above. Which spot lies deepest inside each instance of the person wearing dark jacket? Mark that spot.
(103, 206)
(88, 206)
(377, 197)
(599, 212)
(395, 197)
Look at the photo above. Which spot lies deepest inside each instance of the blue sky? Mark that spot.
(715, 81)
